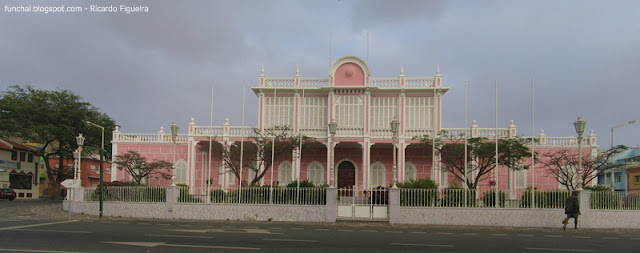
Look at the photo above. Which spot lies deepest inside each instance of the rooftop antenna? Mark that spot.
(330, 49)
(367, 48)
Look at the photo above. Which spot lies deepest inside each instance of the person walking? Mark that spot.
(572, 209)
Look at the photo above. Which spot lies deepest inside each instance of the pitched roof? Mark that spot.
(12, 145)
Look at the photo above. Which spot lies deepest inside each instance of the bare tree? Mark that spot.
(137, 166)
(480, 152)
(257, 151)
(563, 164)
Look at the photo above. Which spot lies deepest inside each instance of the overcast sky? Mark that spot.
(148, 69)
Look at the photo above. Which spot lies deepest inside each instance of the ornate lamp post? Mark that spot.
(80, 142)
(332, 130)
(174, 134)
(613, 129)
(102, 151)
(76, 156)
(395, 124)
(580, 125)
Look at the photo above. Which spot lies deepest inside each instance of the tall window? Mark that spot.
(181, 172)
(418, 112)
(315, 173)
(30, 158)
(231, 178)
(14, 155)
(284, 173)
(521, 178)
(444, 176)
(383, 109)
(279, 111)
(314, 113)
(349, 111)
(409, 171)
(378, 175)
(23, 156)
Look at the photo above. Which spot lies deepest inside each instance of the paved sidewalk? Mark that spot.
(37, 210)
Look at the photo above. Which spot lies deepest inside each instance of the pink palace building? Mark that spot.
(363, 108)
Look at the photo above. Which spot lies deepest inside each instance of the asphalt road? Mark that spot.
(43, 227)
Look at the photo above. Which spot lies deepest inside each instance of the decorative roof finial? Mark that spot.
(262, 70)
(401, 69)
(297, 69)
(438, 69)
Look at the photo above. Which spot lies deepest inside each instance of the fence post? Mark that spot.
(585, 201)
(331, 208)
(394, 205)
(172, 196)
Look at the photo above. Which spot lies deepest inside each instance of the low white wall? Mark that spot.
(550, 218)
(249, 212)
(120, 209)
(162, 210)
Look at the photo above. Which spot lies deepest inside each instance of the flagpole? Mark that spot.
(496, 135)
(208, 184)
(300, 150)
(533, 148)
(242, 138)
(466, 86)
(273, 148)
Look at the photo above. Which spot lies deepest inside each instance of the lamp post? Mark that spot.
(580, 125)
(76, 156)
(174, 134)
(332, 130)
(613, 129)
(101, 191)
(395, 124)
(80, 142)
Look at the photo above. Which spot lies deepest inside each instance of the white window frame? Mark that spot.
(410, 171)
(418, 113)
(378, 175)
(279, 111)
(313, 113)
(383, 110)
(180, 169)
(315, 170)
(349, 111)
(285, 171)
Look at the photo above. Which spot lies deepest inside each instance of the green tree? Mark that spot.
(480, 151)
(52, 118)
(138, 168)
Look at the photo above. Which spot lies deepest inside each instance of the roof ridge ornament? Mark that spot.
(401, 69)
(297, 69)
(262, 70)
(438, 69)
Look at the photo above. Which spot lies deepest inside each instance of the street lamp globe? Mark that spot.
(174, 130)
(80, 140)
(580, 125)
(395, 124)
(332, 127)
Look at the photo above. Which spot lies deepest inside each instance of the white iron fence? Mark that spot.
(128, 194)
(615, 200)
(259, 195)
(473, 198)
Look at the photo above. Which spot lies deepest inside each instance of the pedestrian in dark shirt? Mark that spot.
(572, 209)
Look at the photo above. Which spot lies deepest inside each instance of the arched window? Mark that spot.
(444, 176)
(410, 171)
(315, 173)
(181, 172)
(378, 175)
(231, 178)
(284, 173)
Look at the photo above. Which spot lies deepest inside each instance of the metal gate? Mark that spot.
(365, 204)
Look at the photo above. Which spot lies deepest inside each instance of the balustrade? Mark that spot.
(314, 82)
(280, 81)
(419, 82)
(384, 82)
